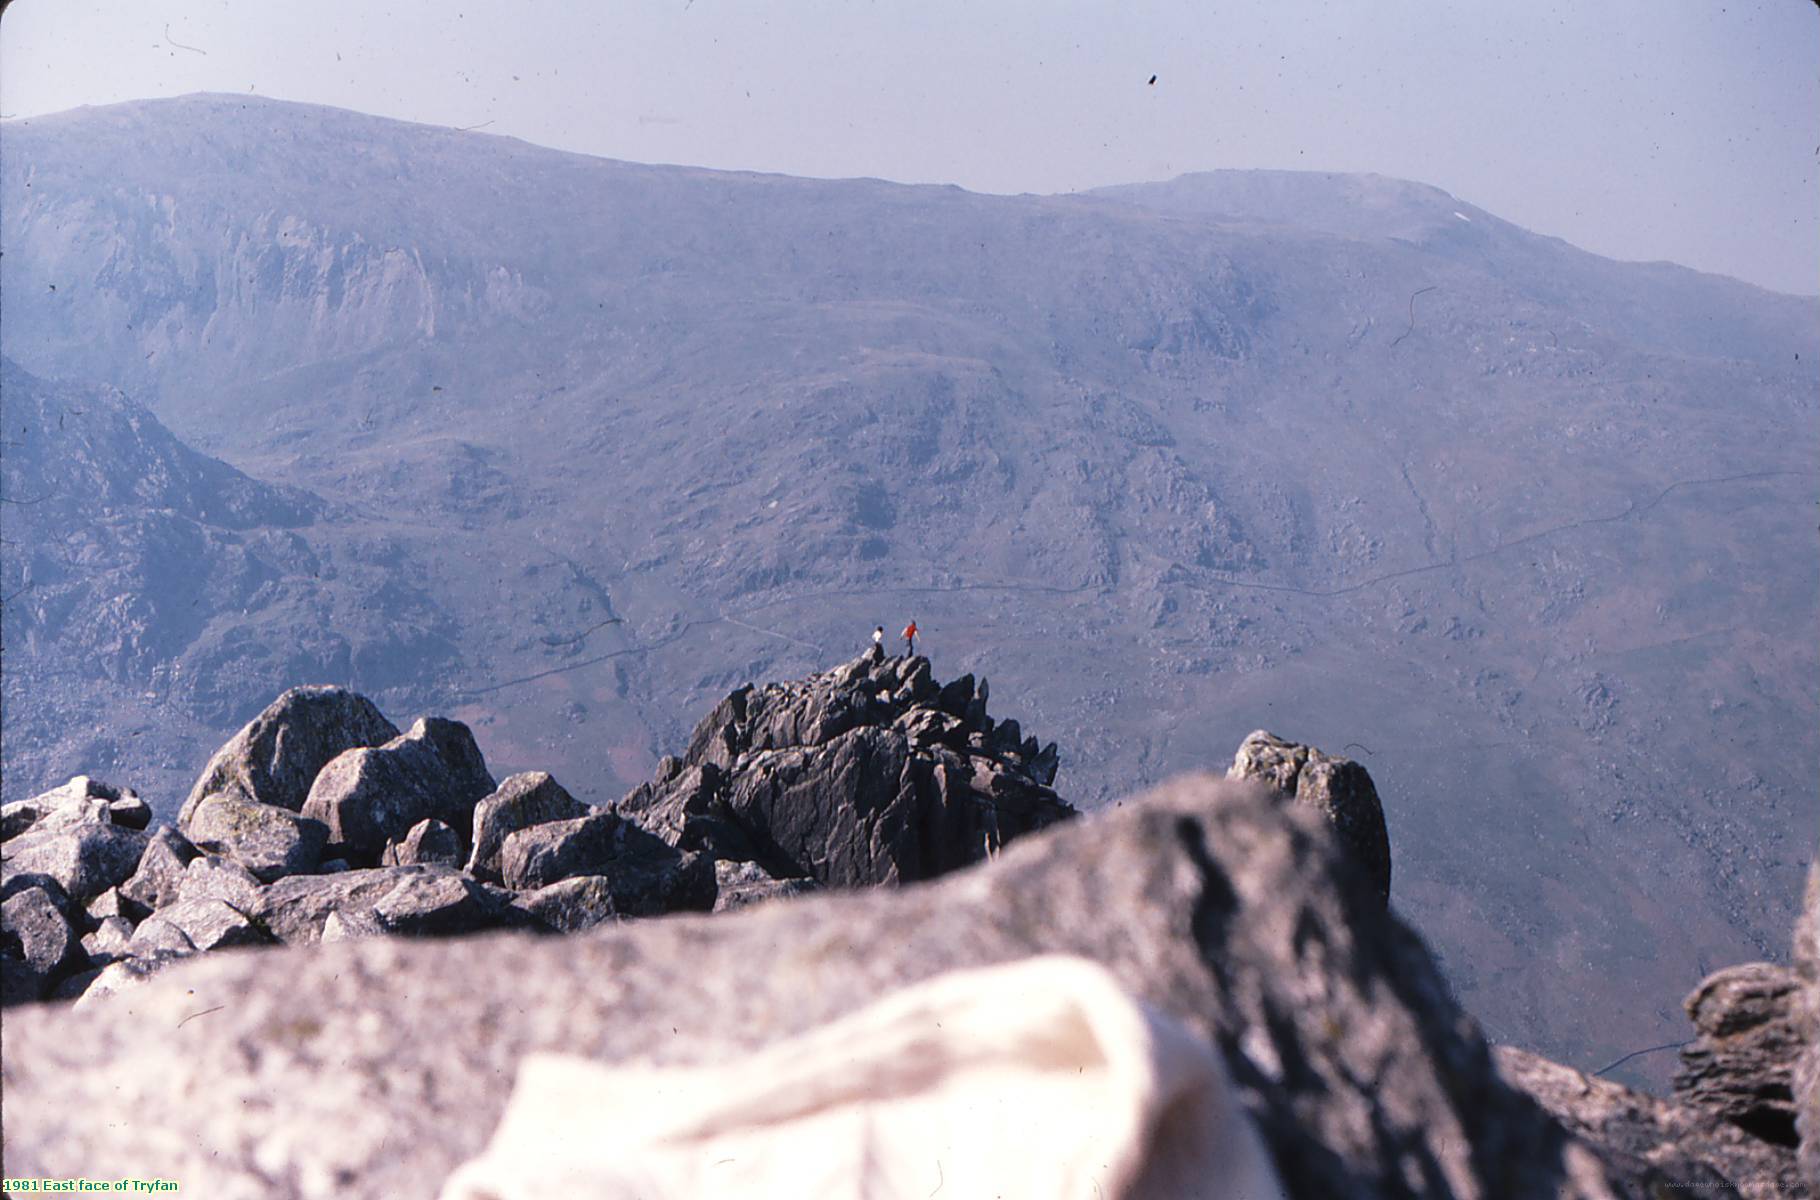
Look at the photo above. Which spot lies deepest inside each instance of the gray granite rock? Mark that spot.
(129, 810)
(570, 905)
(212, 877)
(267, 840)
(743, 884)
(276, 757)
(1338, 788)
(112, 904)
(372, 796)
(295, 908)
(647, 875)
(1219, 905)
(81, 801)
(37, 944)
(159, 875)
(210, 924)
(438, 902)
(157, 935)
(529, 798)
(84, 859)
(429, 843)
(109, 941)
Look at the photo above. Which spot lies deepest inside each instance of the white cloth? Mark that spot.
(1040, 1079)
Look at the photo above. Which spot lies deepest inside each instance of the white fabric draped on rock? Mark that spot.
(1041, 1079)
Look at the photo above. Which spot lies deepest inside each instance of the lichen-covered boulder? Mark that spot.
(267, 840)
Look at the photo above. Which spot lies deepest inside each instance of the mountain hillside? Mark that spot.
(1527, 532)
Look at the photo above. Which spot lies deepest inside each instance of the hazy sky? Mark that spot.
(1642, 129)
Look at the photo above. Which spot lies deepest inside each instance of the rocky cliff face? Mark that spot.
(868, 774)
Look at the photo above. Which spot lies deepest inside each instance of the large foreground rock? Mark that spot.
(276, 757)
(1220, 905)
(1338, 788)
(373, 796)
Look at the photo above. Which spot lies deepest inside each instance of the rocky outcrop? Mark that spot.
(871, 773)
(1217, 904)
(369, 797)
(1740, 1066)
(1338, 788)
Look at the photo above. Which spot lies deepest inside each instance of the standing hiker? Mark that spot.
(910, 638)
(878, 644)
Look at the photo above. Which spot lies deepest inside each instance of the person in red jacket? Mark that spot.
(910, 638)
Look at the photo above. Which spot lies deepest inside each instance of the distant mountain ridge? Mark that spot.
(1526, 528)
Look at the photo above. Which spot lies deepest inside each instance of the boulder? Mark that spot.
(530, 798)
(109, 941)
(646, 875)
(1680, 1150)
(1739, 1068)
(276, 757)
(129, 810)
(79, 802)
(212, 877)
(1338, 788)
(267, 840)
(84, 859)
(295, 908)
(37, 943)
(209, 923)
(372, 796)
(160, 872)
(430, 843)
(743, 884)
(437, 902)
(570, 905)
(111, 904)
(1220, 906)
(158, 936)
